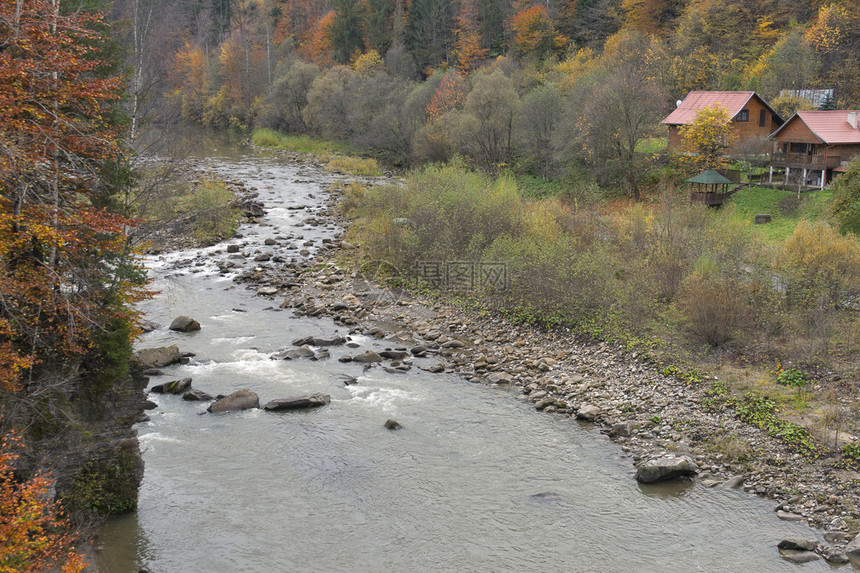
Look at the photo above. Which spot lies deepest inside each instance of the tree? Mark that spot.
(537, 124)
(67, 278)
(450, 95)
(469, 45)
(621, 111)
(835, 37)
(534, 34)
(845, 205)
(484, 129)
(429, 32)
(708, 136)
(33, 537)
(346, 35)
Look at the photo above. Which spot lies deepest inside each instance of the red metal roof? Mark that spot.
(830, 126)
(695, 101)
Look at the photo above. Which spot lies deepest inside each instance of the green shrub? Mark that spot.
(794, 377)
(851, 451)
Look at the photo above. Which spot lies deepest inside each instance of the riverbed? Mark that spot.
(475, 481)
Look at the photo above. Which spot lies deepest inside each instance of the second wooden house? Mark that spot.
(814, 145)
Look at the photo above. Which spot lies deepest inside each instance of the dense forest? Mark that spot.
(540, 87)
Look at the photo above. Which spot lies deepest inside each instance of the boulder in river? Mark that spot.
(797, 544)
(393, 424)
(242, 399)
(294, 354)
(298, 402)
(196, 396)
(318, 341)
(158, 357)
(184, 323)
(367, 357)
(798, 550)
(665, 468)
(172, 387)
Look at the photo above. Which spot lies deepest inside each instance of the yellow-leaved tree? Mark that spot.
(707, 138)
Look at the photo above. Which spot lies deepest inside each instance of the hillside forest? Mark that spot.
(546, 88)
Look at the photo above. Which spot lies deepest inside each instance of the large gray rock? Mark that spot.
(588, 412)
(172, 387)
(316, 341)
(298, 402)
(664, 468)
(158, 357)
(797, 544)
(852, 551)
(184, 324)
(196, 396)
(367, 357)
(242, 399)
(295, 354)
(798, 555)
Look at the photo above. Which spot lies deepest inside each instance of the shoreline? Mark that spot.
(647, 413)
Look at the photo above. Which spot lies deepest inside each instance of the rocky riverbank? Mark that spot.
(652, 416)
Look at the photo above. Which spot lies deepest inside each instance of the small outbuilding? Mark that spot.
(709, 188)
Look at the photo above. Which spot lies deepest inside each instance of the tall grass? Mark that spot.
(271, 139)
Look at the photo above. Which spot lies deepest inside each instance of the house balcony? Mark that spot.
(804, 160)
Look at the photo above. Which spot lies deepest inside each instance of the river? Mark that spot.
(475, 481)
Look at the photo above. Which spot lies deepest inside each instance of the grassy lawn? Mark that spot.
(652, 145)
(784, 207)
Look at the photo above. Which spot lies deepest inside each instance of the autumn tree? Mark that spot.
(534, 34)
(708, 136)
(67, 280)
(835, 38)
(33, 536)
(450, 95)
(469, 46)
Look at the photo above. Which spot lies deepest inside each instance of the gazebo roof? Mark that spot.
(709, 177)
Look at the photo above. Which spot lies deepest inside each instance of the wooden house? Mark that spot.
(752, 118)
(816, 144)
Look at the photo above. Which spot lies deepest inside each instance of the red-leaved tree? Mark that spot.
(65, 274)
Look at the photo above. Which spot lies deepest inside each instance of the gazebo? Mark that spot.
(709, 188)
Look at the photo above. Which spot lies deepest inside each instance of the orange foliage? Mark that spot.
(469, 47)
(321, 49)
(450, 95)
(60, 258)
(534, 33)
(32, 536)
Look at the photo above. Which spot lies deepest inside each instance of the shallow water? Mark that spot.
(475, 481)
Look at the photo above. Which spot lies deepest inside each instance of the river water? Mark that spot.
(475, 481)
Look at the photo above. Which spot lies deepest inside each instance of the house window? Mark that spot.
(743, 115)
(762, 118)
